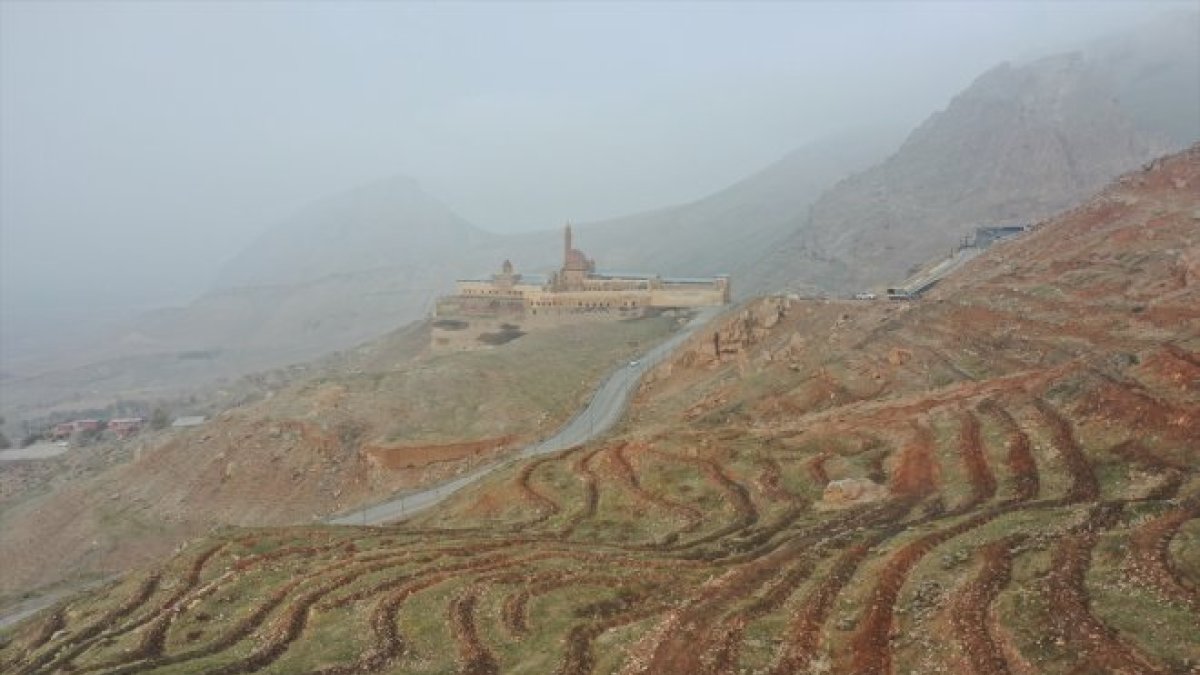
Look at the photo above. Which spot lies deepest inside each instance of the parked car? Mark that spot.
(864, 295)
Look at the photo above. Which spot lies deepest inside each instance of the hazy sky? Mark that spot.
(143, 143)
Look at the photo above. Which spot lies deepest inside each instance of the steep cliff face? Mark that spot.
(1019, 144)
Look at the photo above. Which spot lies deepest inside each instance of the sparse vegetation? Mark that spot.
(1042, 519)
(352, 429)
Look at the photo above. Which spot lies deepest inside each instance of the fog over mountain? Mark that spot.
(1023, 142)
(389, 222)
(351, 267)
(161, 195)
(143, 147)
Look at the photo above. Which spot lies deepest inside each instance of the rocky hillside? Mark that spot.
(355, 266)
(342, 270)
(1019, 144)
(351, 429)
(1000, 477)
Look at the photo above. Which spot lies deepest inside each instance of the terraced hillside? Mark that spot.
(1003, 477)
(348, 431)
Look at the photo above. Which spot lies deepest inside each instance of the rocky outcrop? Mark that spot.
(1020, 144)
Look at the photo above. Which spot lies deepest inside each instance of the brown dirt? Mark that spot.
(582, 469)
(916, 471)
(971, 603)
(983, 482)
(1056, 341)
(1099, 647)
(1021, 464)
(872, 641)
(623, 471)
(1149, 559)
(804, 632)
(1084, 486)
(392, 457)
(474, 656)
(816, 469)
(545, 506)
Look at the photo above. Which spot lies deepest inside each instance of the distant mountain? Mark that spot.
(1018, 145)
(390, 223)
(1021, 143)
(1155, 74)
(343, 270)
(729, 231)
(356, 265)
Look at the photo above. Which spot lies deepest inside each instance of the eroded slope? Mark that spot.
(354, 430)
(1000, 478)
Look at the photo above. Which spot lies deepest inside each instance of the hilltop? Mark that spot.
(835, 216)
(354, 266)
(1016, 146)
(731, 231)
(1000, 477)
(335, 434)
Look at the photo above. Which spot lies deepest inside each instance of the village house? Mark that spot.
(124, 427)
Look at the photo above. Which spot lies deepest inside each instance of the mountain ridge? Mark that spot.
(1019, 144)
(999, 476)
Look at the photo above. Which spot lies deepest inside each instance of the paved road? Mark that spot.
(28, 609)
(921, 281)
(32, 606)
(602, 412)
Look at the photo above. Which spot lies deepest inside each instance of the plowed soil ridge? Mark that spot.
(1098, 646)
(991, 442)
(971, 603)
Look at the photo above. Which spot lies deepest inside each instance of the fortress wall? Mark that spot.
(616, 285)
(470, 305)
(489, 312)
(581, 301)
(687, 296)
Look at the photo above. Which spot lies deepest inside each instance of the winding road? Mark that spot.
(601, 413)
